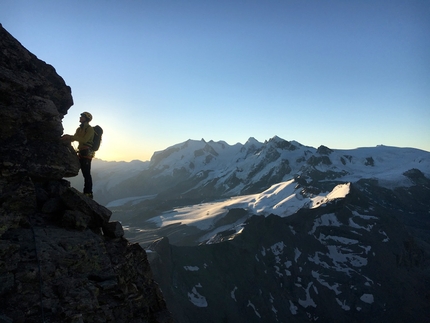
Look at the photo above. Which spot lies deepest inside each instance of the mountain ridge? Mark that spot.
(244, 168)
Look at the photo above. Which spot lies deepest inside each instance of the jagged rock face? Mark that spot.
(61, 259)
(67, 263)
(33, 101)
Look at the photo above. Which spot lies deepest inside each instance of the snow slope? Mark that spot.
(282, 199)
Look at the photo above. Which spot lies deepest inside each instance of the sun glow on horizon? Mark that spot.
(117, 145)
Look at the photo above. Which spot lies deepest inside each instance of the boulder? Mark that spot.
(75, 200)
(113, 229)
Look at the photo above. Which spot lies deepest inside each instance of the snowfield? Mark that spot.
(282, 199)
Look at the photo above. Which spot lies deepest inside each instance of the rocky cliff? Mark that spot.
(61, 260)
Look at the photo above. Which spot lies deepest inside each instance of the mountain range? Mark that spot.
(196, 183)
(199, 168)
(278, 231)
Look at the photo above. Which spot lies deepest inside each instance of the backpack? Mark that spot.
(98, 132)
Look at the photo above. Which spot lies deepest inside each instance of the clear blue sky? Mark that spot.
(343, 74)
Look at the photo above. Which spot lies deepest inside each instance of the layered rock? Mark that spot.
(61, 259)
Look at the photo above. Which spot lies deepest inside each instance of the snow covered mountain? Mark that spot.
(197, 170)
(278, 231)
(188, 190)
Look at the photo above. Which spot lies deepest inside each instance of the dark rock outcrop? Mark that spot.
(33, 101)
(323, 150)
(61, 260)
(363, 258)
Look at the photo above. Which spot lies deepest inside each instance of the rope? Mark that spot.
(40, 271)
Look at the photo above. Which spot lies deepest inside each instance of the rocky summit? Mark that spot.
(61, 258)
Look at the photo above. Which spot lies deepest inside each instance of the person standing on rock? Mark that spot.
(85, 136)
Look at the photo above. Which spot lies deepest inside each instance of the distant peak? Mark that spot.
(251, 140)
(323, 150)
(276, 138)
